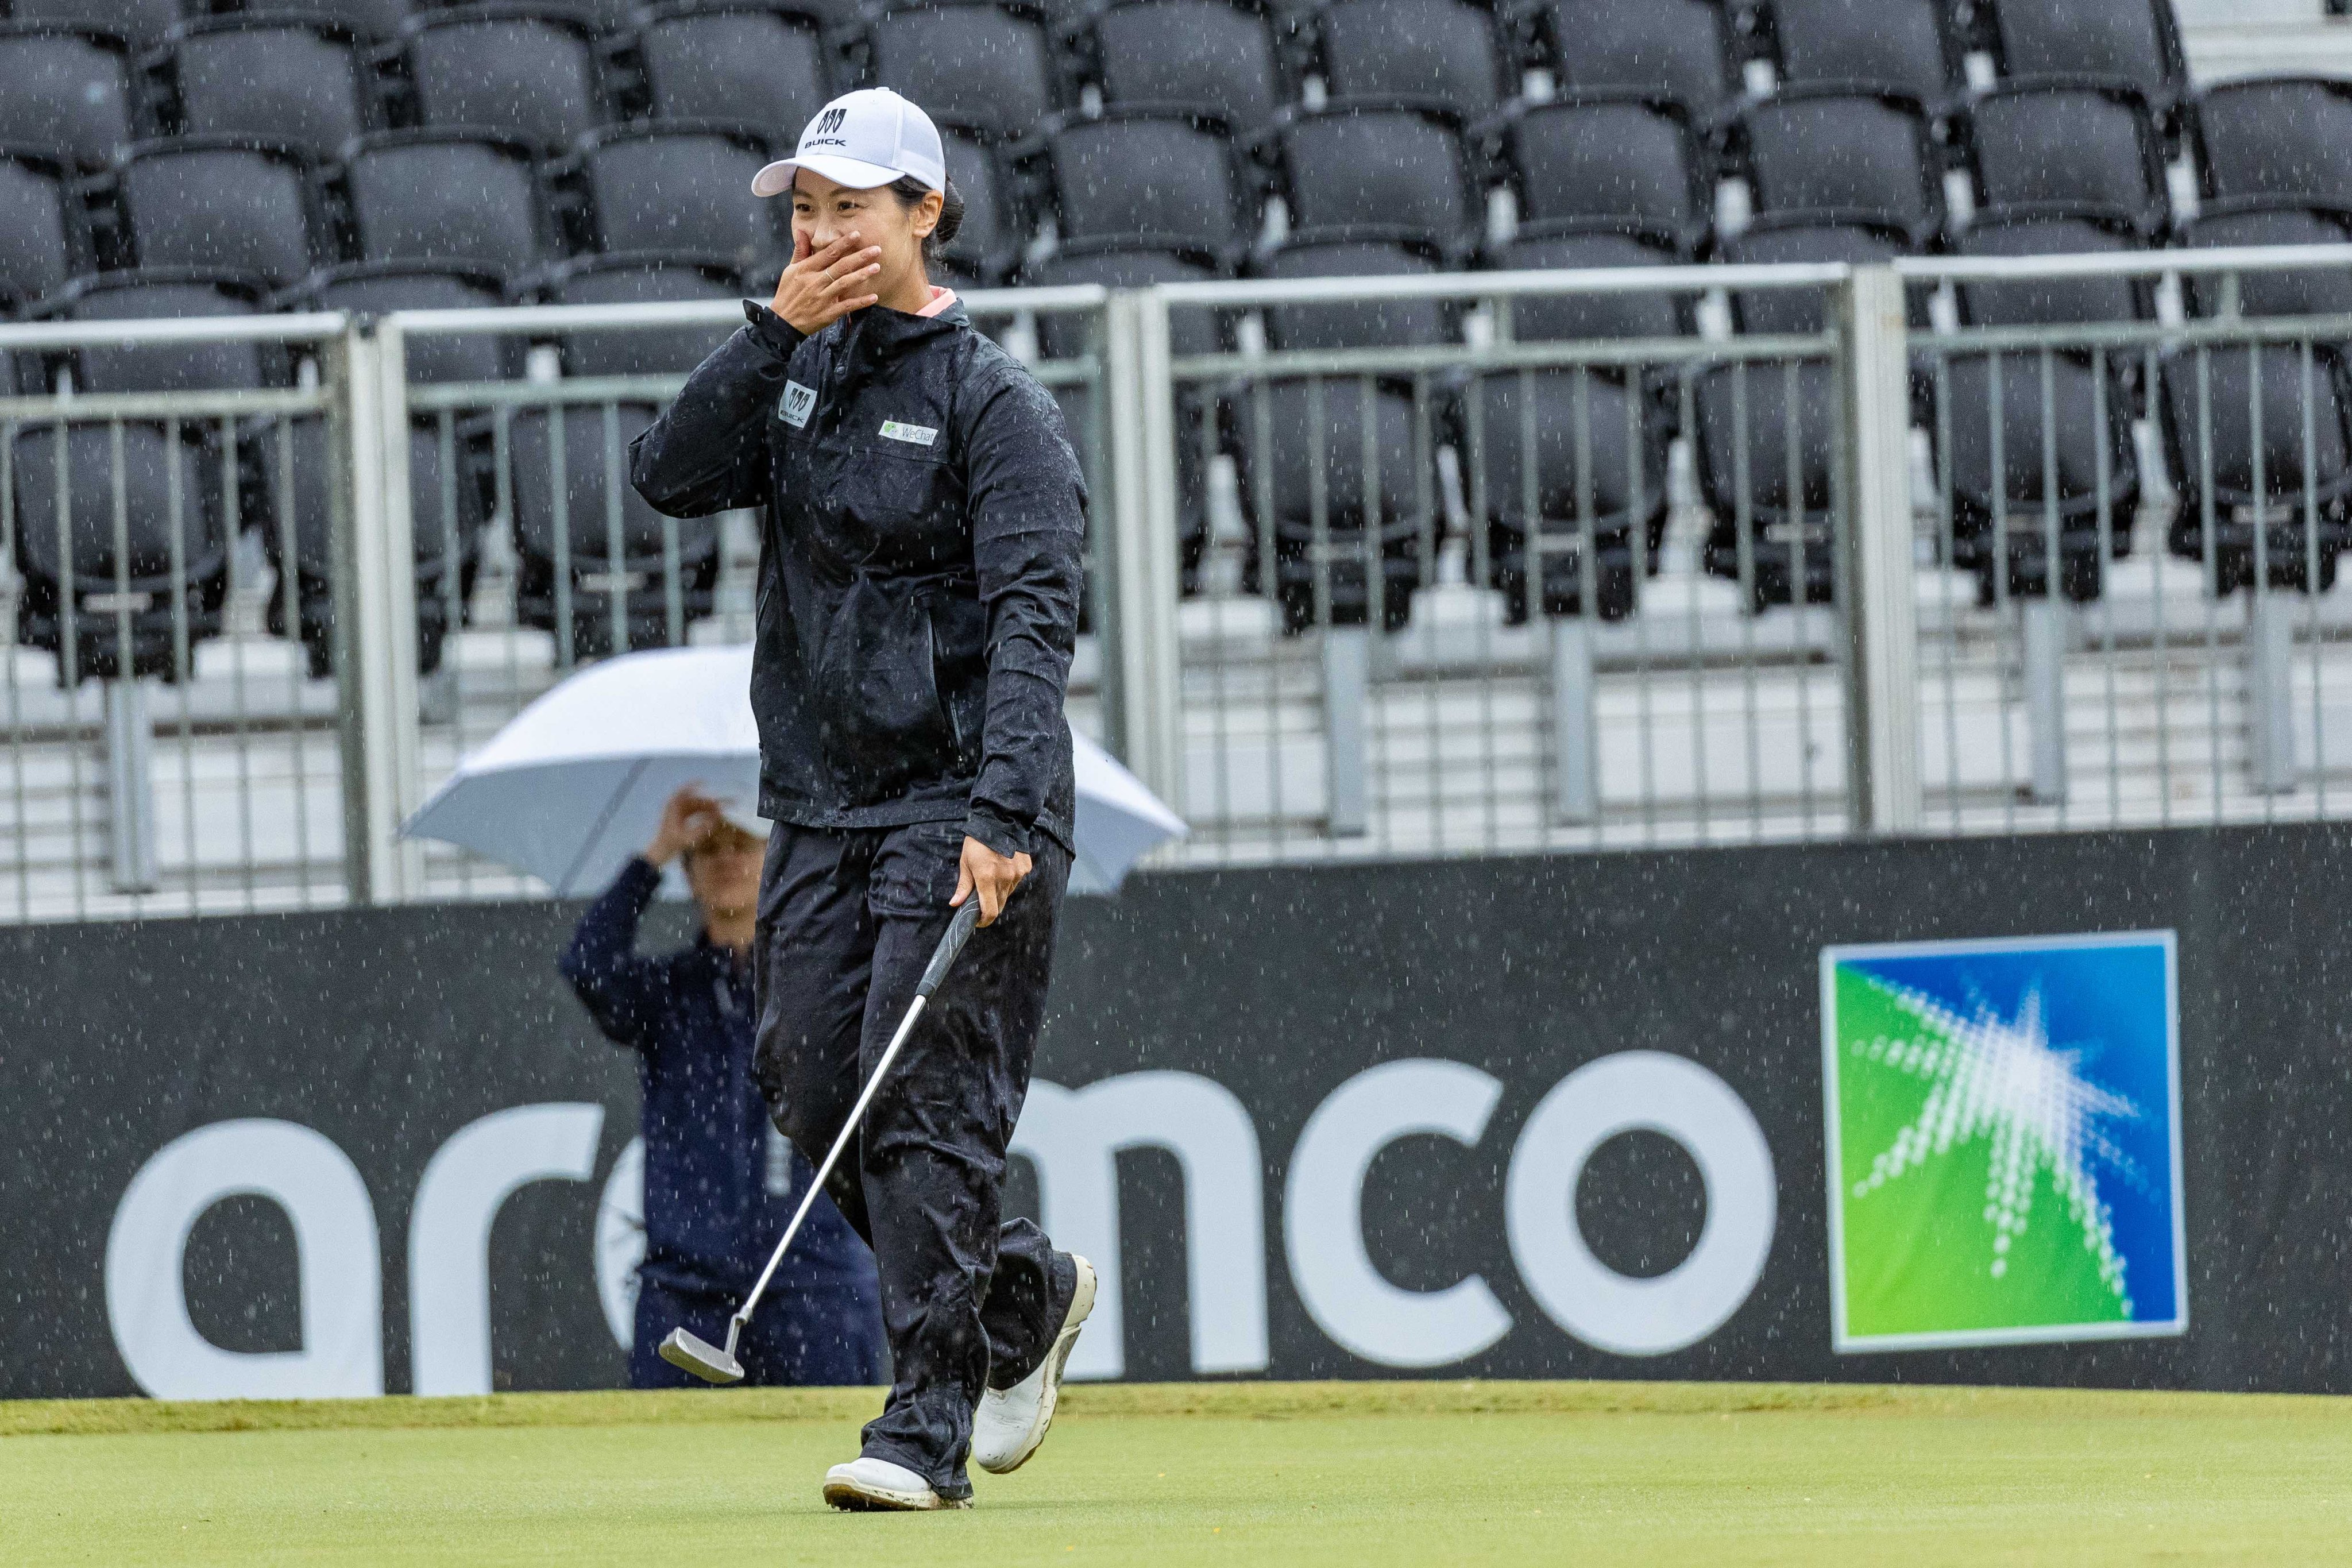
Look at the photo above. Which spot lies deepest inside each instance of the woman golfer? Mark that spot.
(918, 604)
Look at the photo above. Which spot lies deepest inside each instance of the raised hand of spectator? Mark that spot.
(690, 817)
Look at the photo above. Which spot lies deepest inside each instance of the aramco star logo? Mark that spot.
(2001, 1080)
(2002, 1141)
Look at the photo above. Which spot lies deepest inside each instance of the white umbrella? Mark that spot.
(575, 782)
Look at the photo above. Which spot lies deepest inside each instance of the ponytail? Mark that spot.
(909, 191)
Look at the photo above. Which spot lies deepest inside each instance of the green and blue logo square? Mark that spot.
(2004, 1140)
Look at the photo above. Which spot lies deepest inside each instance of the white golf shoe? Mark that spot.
(877, 1486)
(1012, 1422)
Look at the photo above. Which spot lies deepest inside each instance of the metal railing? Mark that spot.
(1571, 561)
(164, 753)
(2188, 683)
(2180, 673)
(1426, 619)
(574, 564)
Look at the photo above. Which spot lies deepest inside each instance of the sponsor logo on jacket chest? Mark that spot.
(794, 406)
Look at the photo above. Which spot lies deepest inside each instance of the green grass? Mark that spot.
(1294, 1474)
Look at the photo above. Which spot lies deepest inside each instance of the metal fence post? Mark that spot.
(1142, 654)
(1878, 570)
(130, 787)
(2269, 690)
(2046, 624)
(1575, 746)
(1346, 703)
(375, 613)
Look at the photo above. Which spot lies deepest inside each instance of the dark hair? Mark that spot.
(909, 191)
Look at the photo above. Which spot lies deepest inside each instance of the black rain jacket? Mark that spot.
(919, 569)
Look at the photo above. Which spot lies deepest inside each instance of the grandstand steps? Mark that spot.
(1461, 763)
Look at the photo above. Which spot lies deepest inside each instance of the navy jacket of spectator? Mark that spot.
(713, 1207)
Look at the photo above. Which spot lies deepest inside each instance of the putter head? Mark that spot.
(691, 1352)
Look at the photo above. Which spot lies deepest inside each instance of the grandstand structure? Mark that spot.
(1477, 397)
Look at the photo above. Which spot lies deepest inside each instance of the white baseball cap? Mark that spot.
(863, 139)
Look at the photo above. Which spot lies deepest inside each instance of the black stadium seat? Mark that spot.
(2081, 230)
(2287, 138)
(63, 93)
(81, 570)
(1448, 51)
(1384, 164)
(2294, 292)
(1355, 324)
(1904, 45)
(676, 186)
(1677, 48)
(379, 287)
(2136, 41)
(1777, 239)
(1824, 150)
(524, 70)
(1213, 56)
(589, 475)
(1555, 318)
(72, 592)
(446, 510)
(981, 64)
(229, 202)
(1524, 434)
(2069, 142)
(1771, 495)
(44, 243)
(1141, 180)
(1190, 331)
(2213, 398)
(2069, 444)
(156, 294)
(1319, 576)
(441, 197)
(446, 478)
(2223, 405)
(734, 60)
(2052, 230)
(140, 24)
(989, 243)
(288, 78)
(1608, 156)
(629, 279)
(1062, 336)
(1528, 437)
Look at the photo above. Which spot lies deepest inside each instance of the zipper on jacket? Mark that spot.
(939, 698)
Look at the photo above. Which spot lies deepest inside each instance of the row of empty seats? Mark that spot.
(1009, 62)
(383, 156)
(421, 198)
(1163, 182)
(149, 568)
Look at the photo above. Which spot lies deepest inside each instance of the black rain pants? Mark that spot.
(847, 921)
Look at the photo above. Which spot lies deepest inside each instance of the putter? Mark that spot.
(691, 1352)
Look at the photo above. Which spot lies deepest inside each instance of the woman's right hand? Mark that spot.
(821, 287)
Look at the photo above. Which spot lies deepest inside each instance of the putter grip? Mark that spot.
(943, 959)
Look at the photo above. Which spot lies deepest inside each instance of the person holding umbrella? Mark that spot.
(917, 605)
(720, 1181)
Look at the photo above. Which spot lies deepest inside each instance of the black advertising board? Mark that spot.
(1556, 1117)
